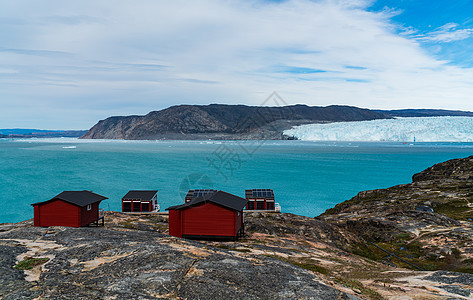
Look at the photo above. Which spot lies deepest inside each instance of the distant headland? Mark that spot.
(238, 122)
(38, 133)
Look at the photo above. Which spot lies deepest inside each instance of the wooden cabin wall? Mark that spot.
(58, 213)
(89, 216)
(175, 223)
(208, 219)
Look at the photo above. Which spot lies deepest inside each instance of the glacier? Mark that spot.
(419, 129)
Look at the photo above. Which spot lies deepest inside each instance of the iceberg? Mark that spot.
(419, 129)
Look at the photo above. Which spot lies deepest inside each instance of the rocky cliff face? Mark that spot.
(222, 122)
(455, 170)
(428, 222)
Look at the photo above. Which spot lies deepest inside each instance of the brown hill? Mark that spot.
(217, 121)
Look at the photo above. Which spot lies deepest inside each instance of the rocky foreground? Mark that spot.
(334, 256)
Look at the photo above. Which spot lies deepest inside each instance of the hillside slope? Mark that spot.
(429, 222)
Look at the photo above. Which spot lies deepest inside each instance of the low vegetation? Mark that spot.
(458, 210)
(358, 286)
(305, 265)
(30, 262)
(416, 253)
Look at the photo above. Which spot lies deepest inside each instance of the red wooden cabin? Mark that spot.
(260, 199)
(214, 215)
(140, 201)
(69, 208)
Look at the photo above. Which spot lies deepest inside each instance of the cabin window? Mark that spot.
(251, 205)
(260, 205)
(127, 206)
(270, 205)
(136, 206)
(89, 207)
(144, 206)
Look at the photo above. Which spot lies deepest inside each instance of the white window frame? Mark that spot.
(89, 207)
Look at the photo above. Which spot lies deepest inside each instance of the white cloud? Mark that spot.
(449, 32)
(127, 57)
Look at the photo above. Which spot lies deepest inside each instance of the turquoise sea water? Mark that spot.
(307, 177)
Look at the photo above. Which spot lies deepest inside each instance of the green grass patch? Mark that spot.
(29, 263)
(257, 242)
(415, 252)
(464, 270)
(355, 284)
(127, 224)
(312, 267)
(242, 250)
(223, 247)
(304, 265)
(403, 237)
(468, 261)
(457, 210)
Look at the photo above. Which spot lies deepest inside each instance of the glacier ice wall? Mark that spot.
(428, 129)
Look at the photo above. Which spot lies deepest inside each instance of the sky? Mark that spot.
(68, 64)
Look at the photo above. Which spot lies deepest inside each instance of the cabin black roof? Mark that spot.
(79, 198)
(142, 195)
(191, 194)
(221, 198)
(267, 194)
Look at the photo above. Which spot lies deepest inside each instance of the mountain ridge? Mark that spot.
(219, 121)
(235, 122)
(426, 113)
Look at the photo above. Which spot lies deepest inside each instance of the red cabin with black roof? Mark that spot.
(140, 201)
(260, 199)
(217, 215)
(69, 208)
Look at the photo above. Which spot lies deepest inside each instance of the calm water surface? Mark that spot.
(307, 177)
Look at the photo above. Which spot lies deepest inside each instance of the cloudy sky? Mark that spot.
(67, 64)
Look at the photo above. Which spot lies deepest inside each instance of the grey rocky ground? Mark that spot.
(100, 263)
(282, 256)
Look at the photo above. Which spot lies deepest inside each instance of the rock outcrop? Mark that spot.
(122, 263)
(428, 222)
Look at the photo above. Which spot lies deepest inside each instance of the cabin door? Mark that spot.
(136, 206)
(126, 206)
(144, 206)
